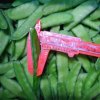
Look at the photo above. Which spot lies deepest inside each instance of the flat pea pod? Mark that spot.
(90, 80)
(95, 15)
(23, 81)
(10, 74)
(23, 61)
(29, 23)
(3, 22)
(4, 67)
(60, 5)
(62, 94)
(91, 24)
(97, 64)
(92, 92)
(23, 10)
(19, 44)
(45, 88)
(61, 18)
(4, 39)
(82, 11)
(85, 62)
(72, 77)
(11, 85)
(62, 66)
(96, 39)
(80, 32)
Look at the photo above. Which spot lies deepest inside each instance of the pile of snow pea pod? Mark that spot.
(64, 78)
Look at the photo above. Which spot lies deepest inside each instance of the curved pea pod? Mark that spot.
(85, 62)
(81, 32)
(92, 92)
(45, 88)
(29, 23)
(23, 81)
(3, 22)
(96, 39)
(23, 61)
(95, 15)
(61, 18)
(72, 77)
(62, 67)
(10, 74)
(61, 88)
(11, 85)
(19, 48)
(82, 11)
(97, 64)
(91, 24)
(4, 39)
(23, 10)
(90, 80)
(60, 5)
(4, 67)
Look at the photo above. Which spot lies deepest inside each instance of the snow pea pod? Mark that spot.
(61, 18)
(29, 23)
(4, 39)
(82, 11)
(60, 5)
(3, 23)
(23, 10)
(23, 81)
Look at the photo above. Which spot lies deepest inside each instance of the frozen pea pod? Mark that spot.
(82, 11)
(4, 67)
(23, 10)
(85, 62)
(29, 77)
(56, 19)
(72, 77)
(29, 23)
(45, 88)
(20, 75)
(80, 32)
(4, 39)
(11, 85)
(3, 22)
(60, 5)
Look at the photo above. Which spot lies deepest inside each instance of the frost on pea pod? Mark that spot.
(62, 43)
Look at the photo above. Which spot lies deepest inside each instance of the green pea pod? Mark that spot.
(3, 23)
(92, 33)
(20, 22)
(72, 77)
(91, 24)
(11, 85)
(92, 92)
(19, 44)
(23, 81)
(23, 10)
(85, 62)
(97, 64)
(82, 11)
(4, 67)
(35, 54)
(80, 32)
(96, 39)
(29, 23)
(95, 15)
(60, 5)
(45, 88)
(62, 67)
(29, 77)
(61, 18)
(62, 94)
(90, 80)
(4, 39)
